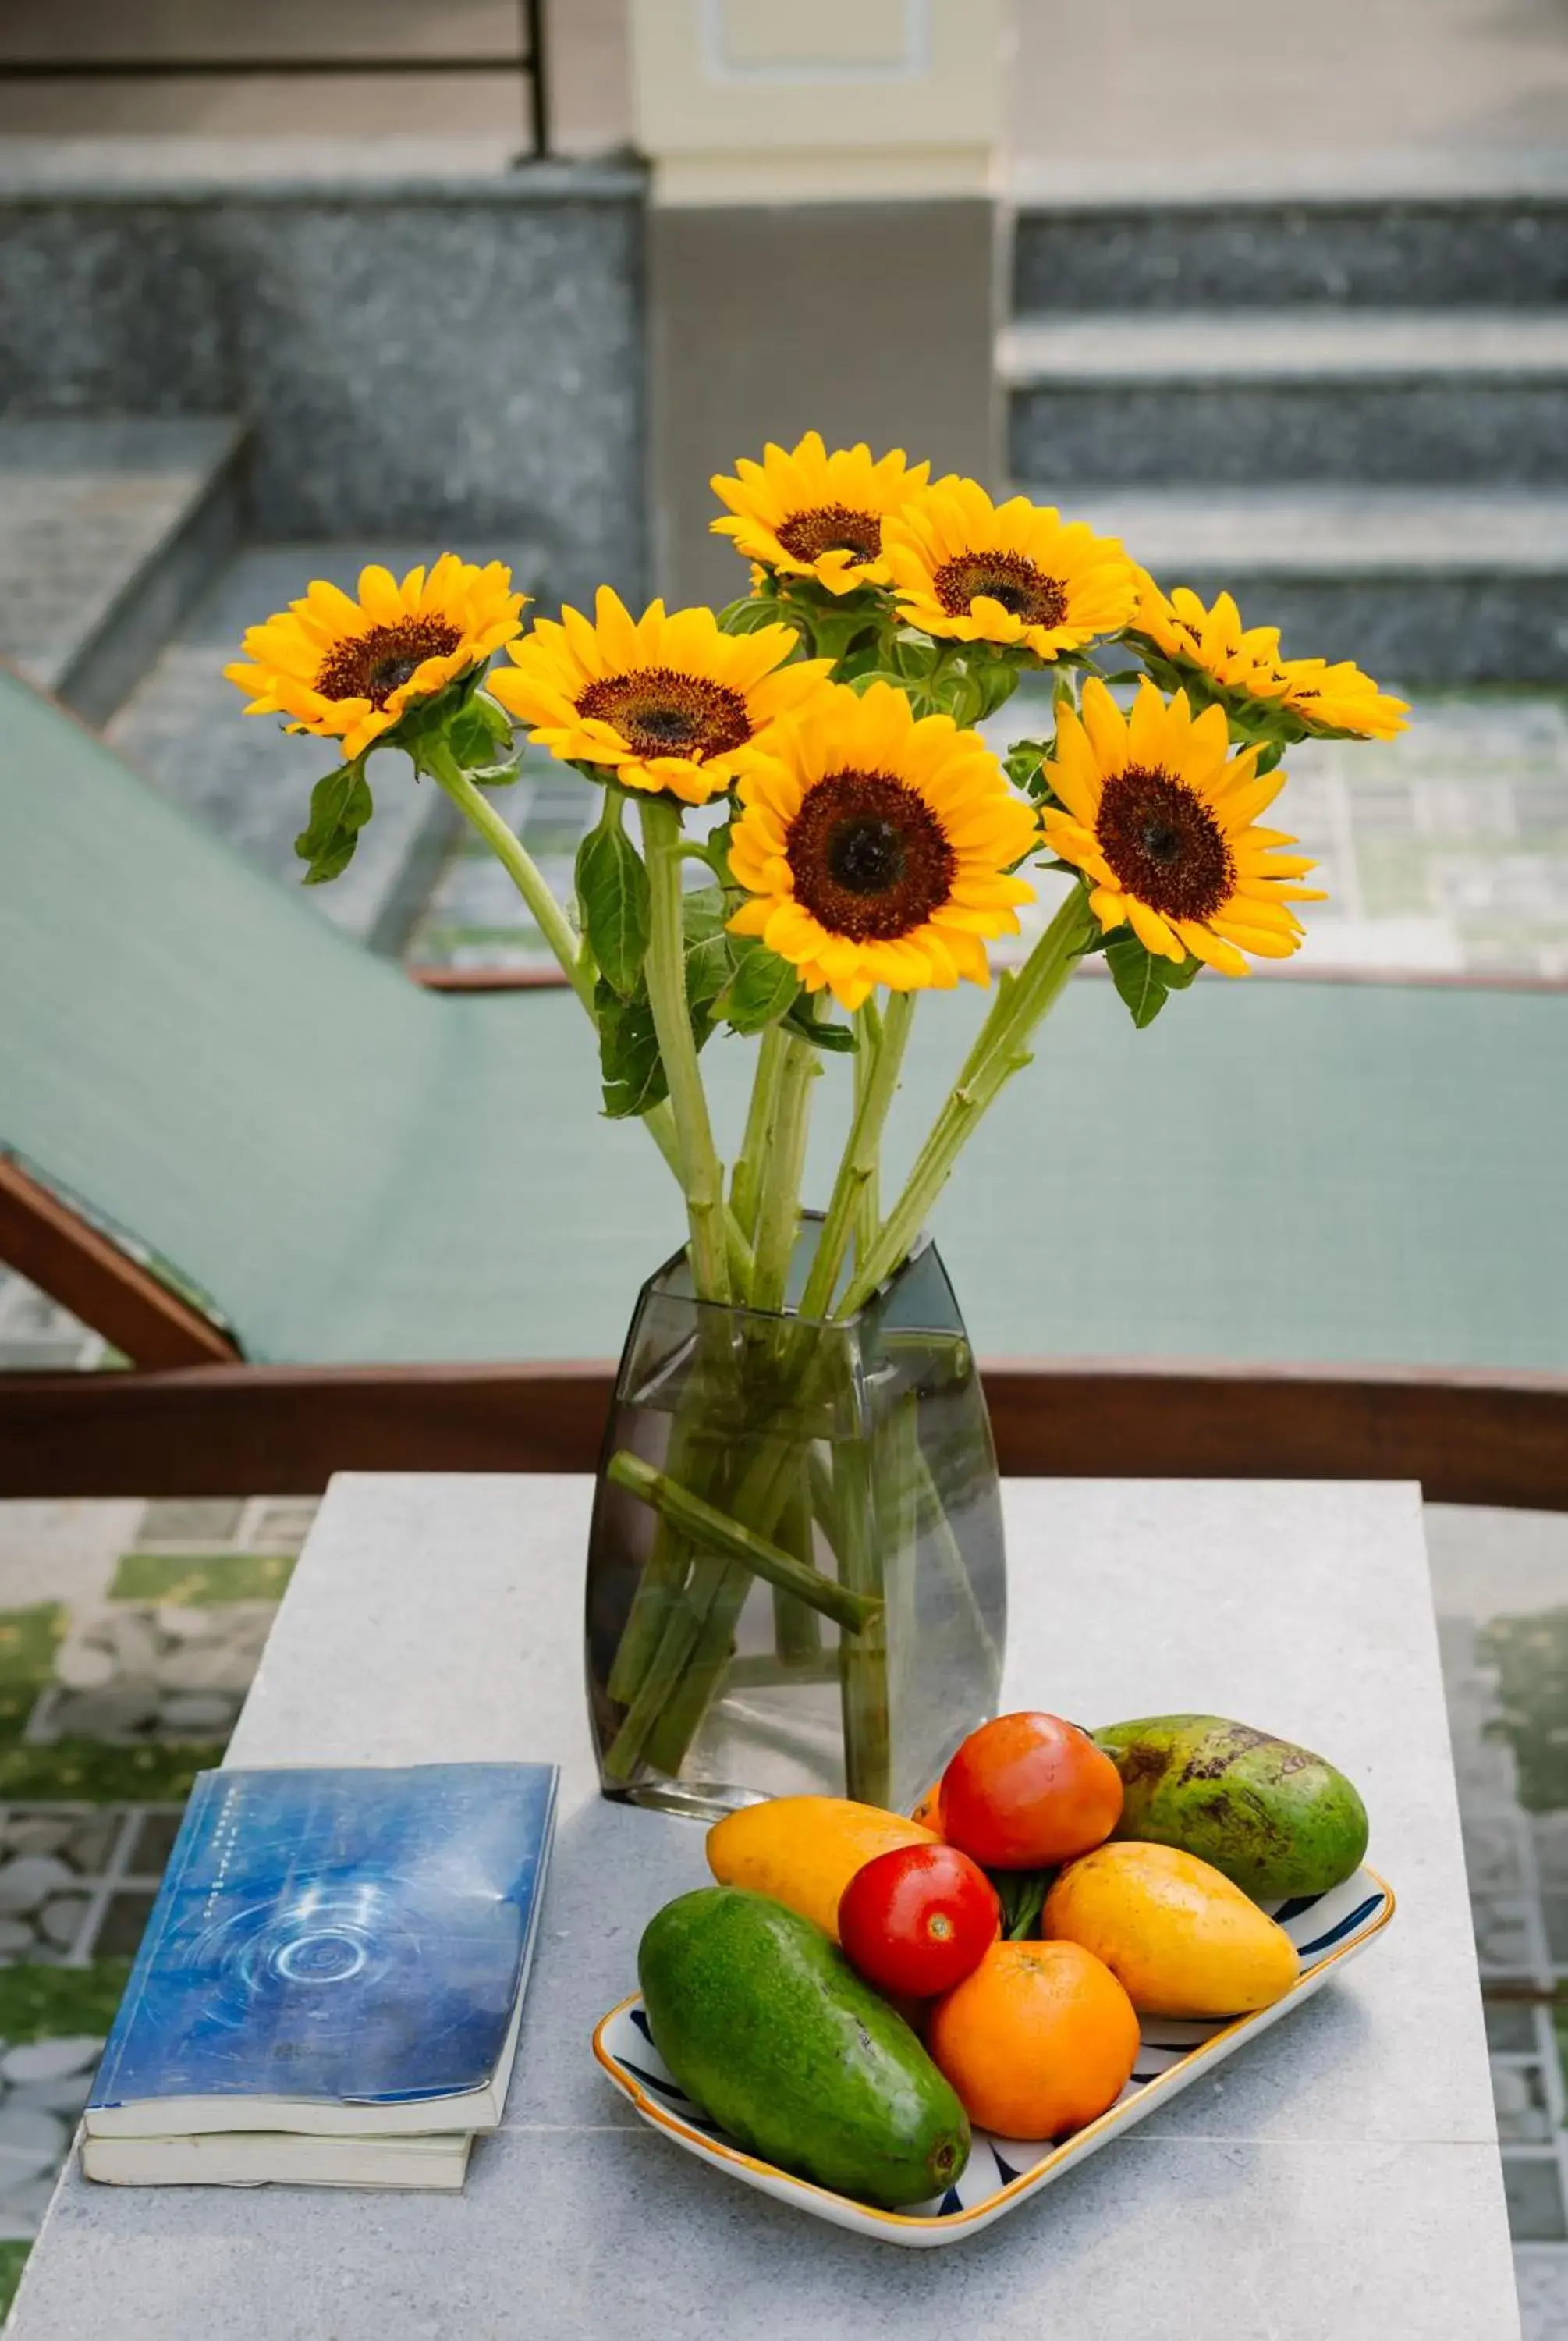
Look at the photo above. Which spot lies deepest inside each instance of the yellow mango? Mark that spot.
(1178, 1936)
(804, 1850)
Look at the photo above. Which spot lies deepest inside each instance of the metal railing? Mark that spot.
(528, 59)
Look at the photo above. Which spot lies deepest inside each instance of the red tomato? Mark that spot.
(919, 1919)
(1029, 1790)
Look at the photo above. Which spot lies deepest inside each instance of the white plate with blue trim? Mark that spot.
(1326, 1929)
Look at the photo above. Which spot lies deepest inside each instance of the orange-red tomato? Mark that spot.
(919, 1919)
(928, 1811)
(1029, 1791)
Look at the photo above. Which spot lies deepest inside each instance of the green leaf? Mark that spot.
(1136, 971)
(750, 615)
(709, 961)
(763, 987)
(630, 1064)
(1145, 979)
(914, 655)
(838, 1039)
(1022, 1894)
(340, 804)
(1109, 936)
(995, 682)
(1023, 760)
(612, 887)
(835, 630)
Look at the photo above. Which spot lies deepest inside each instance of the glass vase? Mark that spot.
(796, 1577)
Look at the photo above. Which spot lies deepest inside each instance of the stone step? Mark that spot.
(249, 780)
(109, 529)
(1481, 248)
(1419, 586)
(1458, 398)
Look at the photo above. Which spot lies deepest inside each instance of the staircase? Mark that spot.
(125, 586)
(1352, 414)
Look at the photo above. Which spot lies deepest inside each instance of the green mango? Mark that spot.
(1274, 1818)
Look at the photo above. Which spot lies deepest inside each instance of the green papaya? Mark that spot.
(765, 2024)
(1278, 1820)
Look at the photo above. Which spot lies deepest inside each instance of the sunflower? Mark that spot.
(1342, 699)
(665, 703)
(1160, 819)
(1214, 643)
(807, 513)
(972, 570)
(876, 848)
(350, 670)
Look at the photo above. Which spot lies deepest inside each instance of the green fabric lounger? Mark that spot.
(357, 1170)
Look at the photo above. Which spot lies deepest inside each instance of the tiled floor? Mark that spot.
(1444, 851)
(128, 1636)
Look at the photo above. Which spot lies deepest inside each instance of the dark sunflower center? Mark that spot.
(659, 712)
(832, 528)
(373, 666)
(871, 859)
(1163, 844)
(1023, 590)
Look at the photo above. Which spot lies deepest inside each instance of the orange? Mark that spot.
(1037, 2041)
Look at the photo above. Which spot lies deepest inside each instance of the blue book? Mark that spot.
(340, 1952)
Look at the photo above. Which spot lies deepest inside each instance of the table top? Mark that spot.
(1337, 2181)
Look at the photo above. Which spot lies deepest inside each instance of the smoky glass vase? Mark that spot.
(796, 1577)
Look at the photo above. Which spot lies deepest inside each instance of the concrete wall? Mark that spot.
(459, 356)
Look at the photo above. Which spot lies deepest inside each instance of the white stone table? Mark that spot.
(1337, 2181)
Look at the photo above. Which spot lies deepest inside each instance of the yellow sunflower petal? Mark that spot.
(349, 670)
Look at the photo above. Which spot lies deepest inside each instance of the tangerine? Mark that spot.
(1039, 2040)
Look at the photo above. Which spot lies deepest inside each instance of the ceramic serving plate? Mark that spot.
(1004, 2172)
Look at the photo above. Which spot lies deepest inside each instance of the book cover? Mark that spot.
(354, 1941)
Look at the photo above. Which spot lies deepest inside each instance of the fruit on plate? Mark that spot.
(1275, 1818)
(919, 1919)
(1027, 1790)
(804, 1850)
(1182, 1940)
(1039, 2040)
(766, 2025)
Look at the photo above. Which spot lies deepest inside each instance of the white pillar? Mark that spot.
(823, 246)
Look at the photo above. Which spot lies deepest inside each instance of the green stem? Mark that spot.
(779, 1200)
(797, 1627)
(858, 1165)
(576, 964)
(869, 1208)
(701, 1174)
(1001, 1051)
(705, 1524)
(516, 861)
(746, 1183)
(863, 1656)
